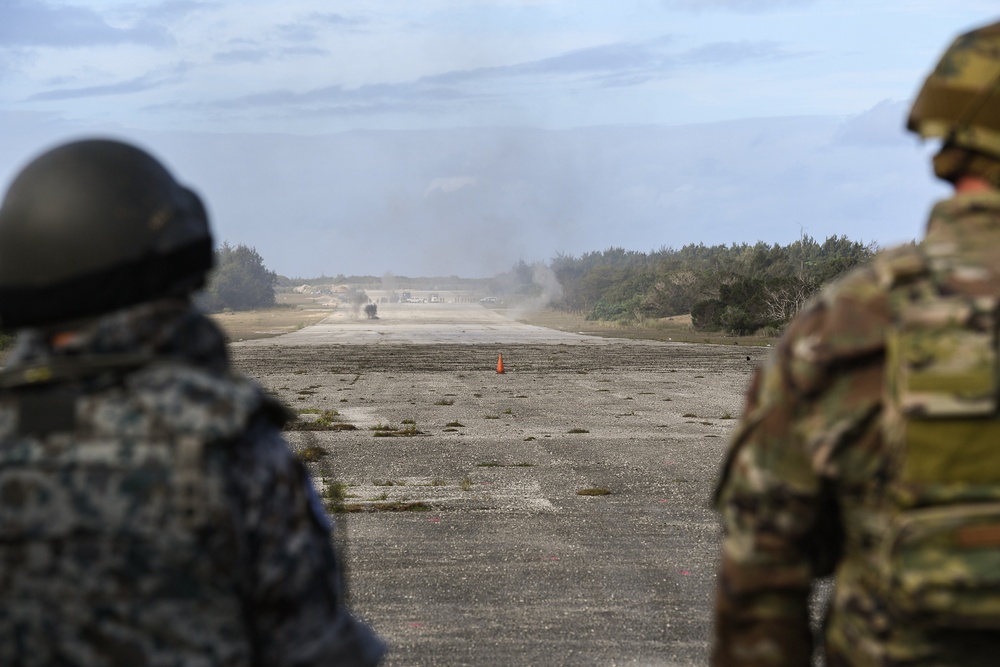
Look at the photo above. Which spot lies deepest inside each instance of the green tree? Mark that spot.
(739, 288)
(240, 280)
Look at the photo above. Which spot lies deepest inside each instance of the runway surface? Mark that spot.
(468, 540)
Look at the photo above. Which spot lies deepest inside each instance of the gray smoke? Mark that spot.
(545, 278)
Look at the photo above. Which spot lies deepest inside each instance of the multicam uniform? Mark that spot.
(152, 514)
(803, 492)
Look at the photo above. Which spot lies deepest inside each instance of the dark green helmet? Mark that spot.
(94, 226)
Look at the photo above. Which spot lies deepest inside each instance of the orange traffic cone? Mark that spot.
(500, 364)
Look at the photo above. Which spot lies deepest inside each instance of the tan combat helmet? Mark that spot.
(960, 104)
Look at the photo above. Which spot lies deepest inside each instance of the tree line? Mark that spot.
(738, 289)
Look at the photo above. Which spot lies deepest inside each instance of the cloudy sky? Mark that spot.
(437, 137)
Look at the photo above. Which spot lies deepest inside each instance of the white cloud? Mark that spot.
(883, 124)
(450, 184)
(34, 23)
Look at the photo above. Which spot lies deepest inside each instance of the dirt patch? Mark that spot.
(292, 312)
(675, 329)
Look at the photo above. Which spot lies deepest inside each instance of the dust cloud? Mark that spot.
(544, 278)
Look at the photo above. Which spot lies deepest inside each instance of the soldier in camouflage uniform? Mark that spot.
(150, 511)
(869, 447)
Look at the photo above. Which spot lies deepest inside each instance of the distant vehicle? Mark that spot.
(489, 299)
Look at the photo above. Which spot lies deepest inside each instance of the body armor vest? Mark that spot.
(118, 541)
(939, 557)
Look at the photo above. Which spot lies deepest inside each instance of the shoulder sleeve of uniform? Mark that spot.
(841, 329)
(818, 393)
(843, 325)
(216, 406)
(293, 580)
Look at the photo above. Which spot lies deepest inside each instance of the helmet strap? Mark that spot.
(953, 162)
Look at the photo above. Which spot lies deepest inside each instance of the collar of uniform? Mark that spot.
(965, 219)
(164, 329)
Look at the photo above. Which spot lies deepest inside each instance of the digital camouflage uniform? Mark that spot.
(802, 492)
(152, 514)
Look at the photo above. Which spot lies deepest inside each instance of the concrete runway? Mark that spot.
(427, 324)
(499, 560)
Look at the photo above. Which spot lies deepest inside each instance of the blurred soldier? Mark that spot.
(870, 443)
(150, 511)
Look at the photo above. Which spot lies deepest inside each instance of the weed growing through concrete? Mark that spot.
(455, 425)
(488, 464)
(466, 484)
(578, 430)
(335, 491)
(312, 453)
(508, 411)
(408, 430)
(332, 493)
(726, 415)
(529, 438)
(491, 416)
(326, 421)
(408, 421)
(594, 491)
(689, 415)
(326, 418)
(444, 401)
